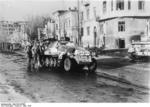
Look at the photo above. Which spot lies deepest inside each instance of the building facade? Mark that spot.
(13, 32)
(114, 24)
(90, 13)
(66, 24)
(19, 35)
(123, 21)
(7, 27)
(56, 17)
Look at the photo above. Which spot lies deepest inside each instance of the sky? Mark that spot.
(19, 10)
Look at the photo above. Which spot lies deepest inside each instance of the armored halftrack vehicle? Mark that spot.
(67, 56)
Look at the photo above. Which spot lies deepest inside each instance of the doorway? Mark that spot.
(121, 43)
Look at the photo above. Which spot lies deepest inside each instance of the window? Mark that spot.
(104, 7)
(120, 5)
(141, 5)
(82, 16)
(121, 26)
(69, 23)
(129, 4)
(88, 30)
(65, 24)
(94, 9)
(82, 31)
(101, 29)
(56, 26)
(71, 37)
(87, 12)
(112, 5)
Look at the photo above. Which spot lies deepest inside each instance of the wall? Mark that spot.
(134, 28)
(57, 23)
(94, 13)
(134, 11)
(68, 25)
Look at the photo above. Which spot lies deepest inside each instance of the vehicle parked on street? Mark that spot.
(139, 51)
(68, 57)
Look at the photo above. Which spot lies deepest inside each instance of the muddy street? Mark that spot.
(57, 86)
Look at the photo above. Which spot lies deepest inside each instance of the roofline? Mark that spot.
(141, 42)
(59, 11)
(136, 17)
(69, 11)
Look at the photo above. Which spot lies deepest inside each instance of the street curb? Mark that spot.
(121, 80)
(9, 93)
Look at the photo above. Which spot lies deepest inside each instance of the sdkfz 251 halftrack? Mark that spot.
(68, 57)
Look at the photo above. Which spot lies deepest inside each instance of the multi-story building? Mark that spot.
(66, 24)
(12, 31)
(123, 21)
(6, 27)
(56, 16)
(90, 13)
(19, 35)
(114, 23)
(49, 29)
(19, 26)
(10, 27)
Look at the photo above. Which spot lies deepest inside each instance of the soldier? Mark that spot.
(36, 55)
(29, 56)
(38, 52)
(41, 53)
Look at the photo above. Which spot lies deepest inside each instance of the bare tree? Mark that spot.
(33, 23)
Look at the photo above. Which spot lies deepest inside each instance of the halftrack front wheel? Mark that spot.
(68, 64)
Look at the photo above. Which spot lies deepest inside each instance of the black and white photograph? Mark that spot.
(74, 51)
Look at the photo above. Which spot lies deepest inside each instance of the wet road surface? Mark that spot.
(56, 86)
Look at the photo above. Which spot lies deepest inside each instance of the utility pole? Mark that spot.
(78, 5)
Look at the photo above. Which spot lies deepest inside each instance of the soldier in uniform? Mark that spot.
(38, 54)
(41, 53)
(29, 56)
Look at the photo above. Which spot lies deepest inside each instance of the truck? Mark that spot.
(139, 51)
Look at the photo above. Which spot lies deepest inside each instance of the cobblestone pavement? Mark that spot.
(57, 86)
